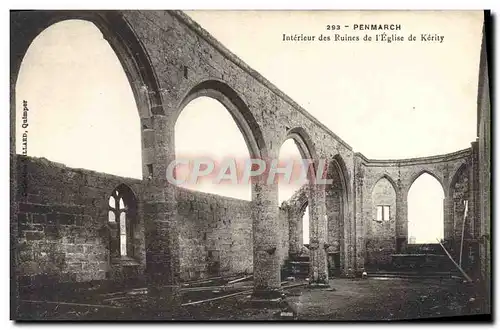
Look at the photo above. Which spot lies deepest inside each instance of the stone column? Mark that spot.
(162, 247)
(294, 235)
(160, 210)
(473, 189)
(318, 271)
(358, 248)
(449, 225)
(348, 256)
(266, 263)
(401, 219)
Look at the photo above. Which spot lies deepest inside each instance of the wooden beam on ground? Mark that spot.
(459, 268)
(69, 304)
(235, 294)
(240, 279)
(463, 232)
(216, 298)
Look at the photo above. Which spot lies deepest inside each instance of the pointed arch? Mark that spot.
(122, 221)
(238, 109)
(425, 210)
(337, 211)
(384, 200)
(304, 143)
(27, 25)
(338, 161)
(459, 191)
(388, 178)
(297, 205)
(127, 193)
(419, 174)
(299, 200)
(456, 175)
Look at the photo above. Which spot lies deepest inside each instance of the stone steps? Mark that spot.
(297, 266)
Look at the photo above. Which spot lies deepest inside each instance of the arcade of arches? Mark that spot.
(65, 229)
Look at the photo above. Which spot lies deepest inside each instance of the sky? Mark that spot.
(387, 100)
(425, 210)
(396, 100)
(78, 116)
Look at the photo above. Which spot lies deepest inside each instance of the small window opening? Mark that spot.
(383, 212)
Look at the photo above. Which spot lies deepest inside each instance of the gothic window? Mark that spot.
(120, 213)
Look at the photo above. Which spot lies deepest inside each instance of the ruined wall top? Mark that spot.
(457, 155)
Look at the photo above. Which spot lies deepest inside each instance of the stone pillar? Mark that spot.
(318, 269)
(162, 247)
(160, 210)
(449, 221)
(473, 216)
(266, 263)
(348, 255)
(295, 232)
(401, 219)
(484, 168)
(358, 248)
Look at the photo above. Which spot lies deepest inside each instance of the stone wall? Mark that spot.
(381, 234)
(484, 158)
(460, 194)
(375, 242)
(215, 235)
(62, 218)
(63, 213)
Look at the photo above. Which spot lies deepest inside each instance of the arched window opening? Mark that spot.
(383, 201)
(74, 103)
(291, 162)
(305, 226)
(121, 214)
(205, 130)
(335, 198)
(425, 211)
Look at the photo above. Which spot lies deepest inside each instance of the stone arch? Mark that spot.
(344, 174)
(299, 200)
(238, 109)
(128, 193)
(303, 202)
(381, 224)
(117, 32)
(456, 175)
(427, 209)
(304, 196)
(297, 205)
(337, 212)
(459, 190)
(304, 143)
(431, 173)
(392, 199)
(388, 178)
(254, 139)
